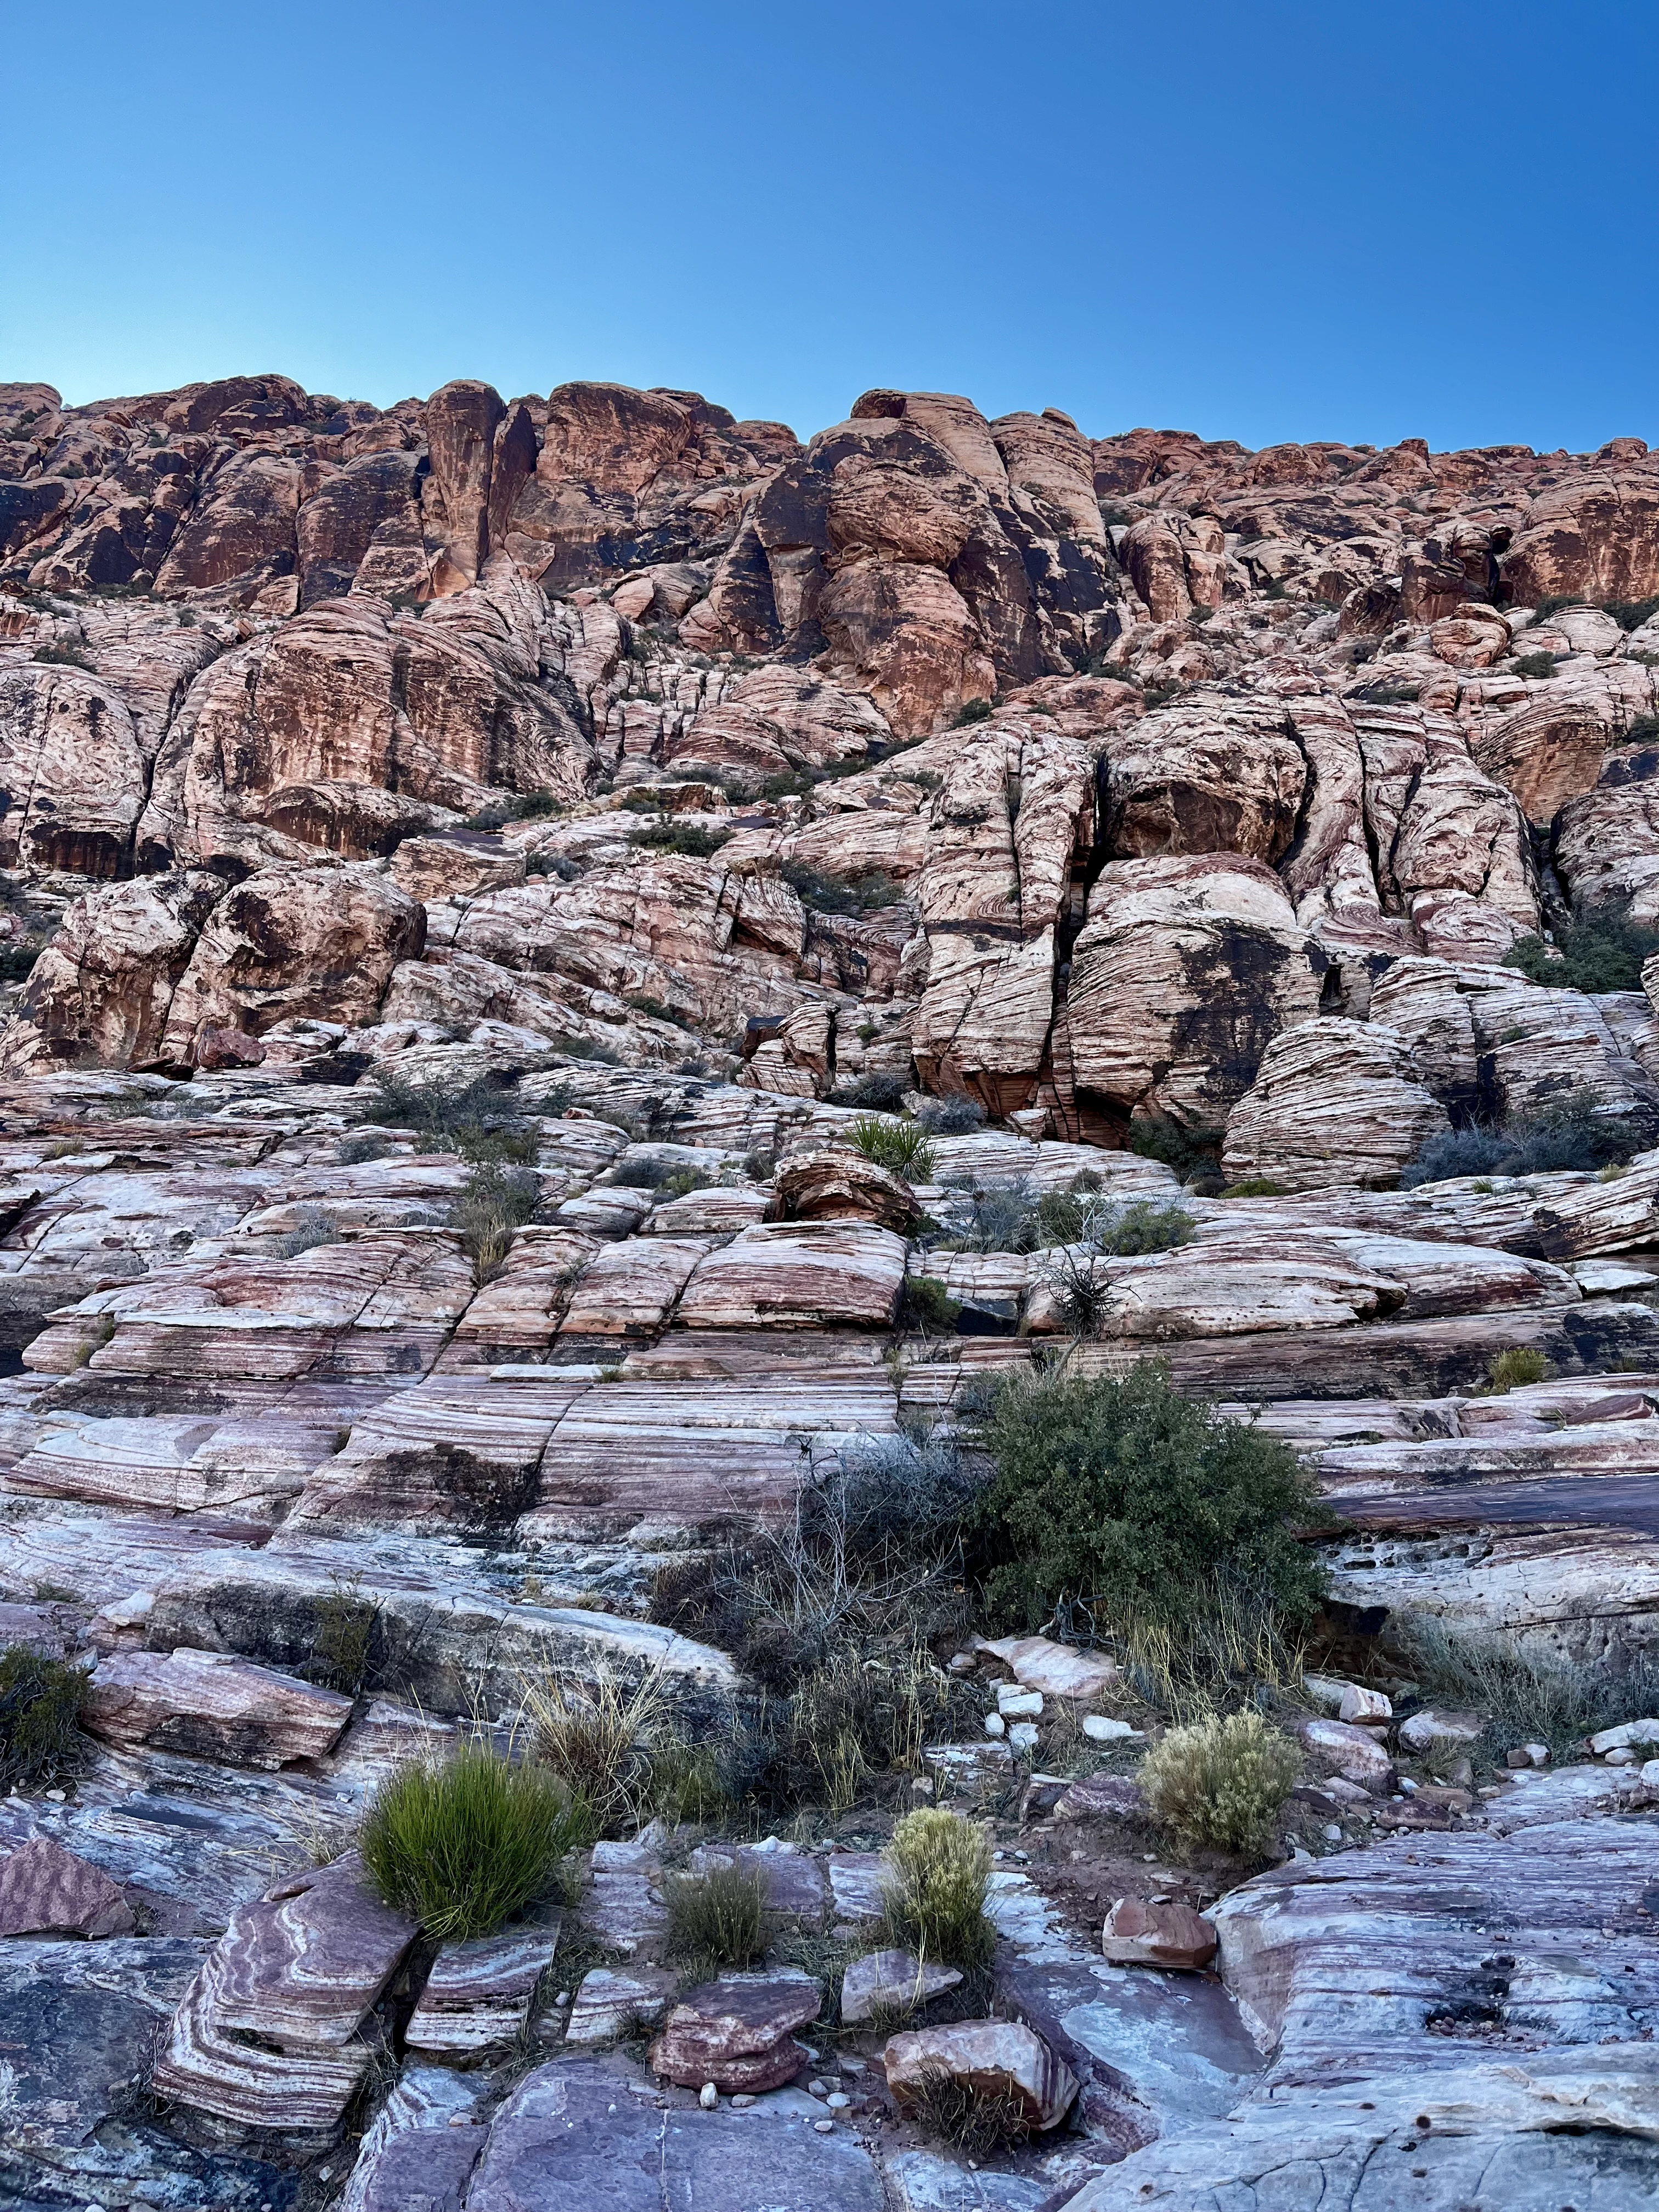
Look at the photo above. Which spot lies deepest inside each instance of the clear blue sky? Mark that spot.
(1266, 219)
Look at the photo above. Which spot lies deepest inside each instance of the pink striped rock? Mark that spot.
(994, 2057)
(47, 1891)
(209, 1705)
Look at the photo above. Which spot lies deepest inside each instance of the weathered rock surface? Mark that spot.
(738, 2032)
(212, 1706)
(994, 2057)
(46, 1891)
(1159, 1934)
(326, 735)
(889, 1986)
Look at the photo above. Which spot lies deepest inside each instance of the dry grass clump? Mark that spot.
(466, 1845)
(938, 1873)
(977, 2122)
(1515, 1368)
(598, 1739)
(1221, 1782)
(496, 1202)
(718, 1917)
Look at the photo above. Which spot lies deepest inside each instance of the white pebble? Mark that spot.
(709, 2097)
(838, 2100)
(824, 2127)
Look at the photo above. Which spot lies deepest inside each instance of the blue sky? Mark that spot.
(1265, 222)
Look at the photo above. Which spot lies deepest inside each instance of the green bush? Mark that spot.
(1601, 951)
(1221, 1783)
(1569, 1138)
(1127, 1232)
(1515, 1368)
(688, 838)
(865, 894)
(40, 1704)
(1631, 614)
(718, 1917)
(929, 1303)
(1254, 1186)
(971, 711)
(902, 1147)
(1124, 1499)
(1537, 666)
(472, 1117)
(465, 1845)
(956, 1117)
(1182, 1149)
(936, 1878)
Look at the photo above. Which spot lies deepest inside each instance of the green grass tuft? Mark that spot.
(466, 1846)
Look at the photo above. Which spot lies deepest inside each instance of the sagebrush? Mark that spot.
(936, 1877)
(1221, 1782)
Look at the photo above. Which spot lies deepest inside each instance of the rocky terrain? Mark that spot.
(566, 961)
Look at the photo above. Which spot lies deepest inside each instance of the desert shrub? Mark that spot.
(1601, 952)
(1127, 1232)
(1182, 1149)
(971, 711)
(63, 656)
(865, 894)
(471, 1116)
(880, 1088)
(902, 1147)
(1003, 1219)
(901, 1495)
(936, 1876)
(526, 807)
(40, 1704)
(717, 1918)
(1631, 614)
(1535, 665)
(688, 838)
(598, 1739)
(1123, 1229)
(928, 1304)
(976, 2122)
(1515, 1368)
(1221, 1782)
(352, 1151)
(558, 865)
(313, 1226)
(1526, 1691)
(344, 1639)
(496, 1201)
(1571, 1137)
(467, 1844)
(641, 1174)
(951, 1117)
(1122, 1499)
(1254, 1186)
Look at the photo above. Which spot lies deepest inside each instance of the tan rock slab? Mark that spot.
(209, 1705)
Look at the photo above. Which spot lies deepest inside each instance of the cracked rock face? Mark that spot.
(682, 797)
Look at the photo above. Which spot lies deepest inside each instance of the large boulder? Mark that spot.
(1010, 828)
(291, 944)
(1333, 1101)
(1184, 972)
(71, 772)
(99, 993)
